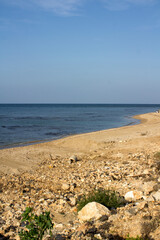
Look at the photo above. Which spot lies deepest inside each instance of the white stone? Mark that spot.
(60, 225)
(133, 195)
(93, 211)
(98, 236)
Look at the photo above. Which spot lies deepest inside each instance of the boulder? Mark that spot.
(93, 211)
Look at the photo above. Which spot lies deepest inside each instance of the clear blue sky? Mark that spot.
(79, 51)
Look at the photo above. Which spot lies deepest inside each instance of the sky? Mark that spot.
(80, 51)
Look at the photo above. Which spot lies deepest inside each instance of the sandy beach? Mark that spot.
(144, 136)
(52, 176)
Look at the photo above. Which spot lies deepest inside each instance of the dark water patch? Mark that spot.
(31, 118)
(52, 134)
(53, 128)
(22, 127)
(37, 118)
(13, 127)
(32, 126)
(87, 114)
(73, 119)
(3, 117)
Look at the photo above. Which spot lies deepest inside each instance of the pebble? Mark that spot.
(73, 159)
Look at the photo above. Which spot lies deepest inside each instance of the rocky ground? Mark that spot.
(129, 166)
(58, 183)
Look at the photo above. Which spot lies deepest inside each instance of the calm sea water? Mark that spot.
(24, 123)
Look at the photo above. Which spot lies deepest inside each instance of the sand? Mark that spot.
(124, 140)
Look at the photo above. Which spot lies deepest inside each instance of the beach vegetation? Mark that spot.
(36, 226)
(108, 198)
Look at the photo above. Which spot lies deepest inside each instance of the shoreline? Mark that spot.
(26, 158)
(29, 143)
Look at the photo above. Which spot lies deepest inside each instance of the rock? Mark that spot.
(60, 225)
(72, 201)
(156, 234)
(93, 211)
(17, 237)
(131, 226)
(83, 228)
(156, 196)
(62, 201)
(148, 187)
(146, 171)
(142, 205)
(65, 186)
(133, 196)
(73, 159)
(150, 199)
(60, 237)
(98, 236)
(1, 187)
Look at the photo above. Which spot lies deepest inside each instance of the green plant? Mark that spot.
(108, 198)
(36, 225)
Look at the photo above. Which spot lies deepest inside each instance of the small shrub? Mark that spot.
(108, 198)
(36, 225)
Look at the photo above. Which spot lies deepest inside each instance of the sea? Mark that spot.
(24, 124)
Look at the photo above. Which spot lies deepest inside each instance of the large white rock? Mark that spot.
(133, 195)
(93, 211)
